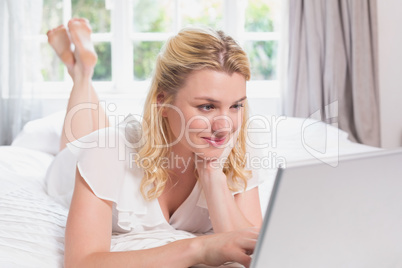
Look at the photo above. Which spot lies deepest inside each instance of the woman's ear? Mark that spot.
(160, 101)
(160, 98)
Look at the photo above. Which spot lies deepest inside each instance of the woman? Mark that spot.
(182, 169)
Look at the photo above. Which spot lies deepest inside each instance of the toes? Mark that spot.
(73, 20)
(55, 30)
(76, 21)
(80, 23)
(84, 20)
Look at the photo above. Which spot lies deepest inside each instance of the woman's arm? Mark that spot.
(228, 213)
(88, 236)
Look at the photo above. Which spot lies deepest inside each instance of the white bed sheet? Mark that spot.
(32, 224)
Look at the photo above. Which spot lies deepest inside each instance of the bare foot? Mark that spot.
(84, 52)
(60, 41)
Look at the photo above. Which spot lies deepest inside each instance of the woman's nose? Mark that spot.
(222, 125)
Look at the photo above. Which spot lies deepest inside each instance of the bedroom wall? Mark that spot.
(390, 71)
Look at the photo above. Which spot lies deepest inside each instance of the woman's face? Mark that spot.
(206, 113)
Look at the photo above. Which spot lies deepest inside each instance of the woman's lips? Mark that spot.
(215, 141)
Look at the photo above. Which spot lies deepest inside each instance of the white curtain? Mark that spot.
(20, 22)
(332, 65)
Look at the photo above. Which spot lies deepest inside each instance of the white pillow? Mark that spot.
(42, 134)
(299, 139)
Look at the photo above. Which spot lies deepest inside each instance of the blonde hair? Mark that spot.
(191, 49)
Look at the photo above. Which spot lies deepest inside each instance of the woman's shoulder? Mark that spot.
(105, 160)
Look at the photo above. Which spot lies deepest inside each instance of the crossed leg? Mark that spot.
(84, 114)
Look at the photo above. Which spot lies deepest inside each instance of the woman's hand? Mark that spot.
(235, 246)
(224, 210)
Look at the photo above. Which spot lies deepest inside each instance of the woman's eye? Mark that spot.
(206, 107)
(238, 106)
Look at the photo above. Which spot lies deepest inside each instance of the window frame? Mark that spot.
(122, 37)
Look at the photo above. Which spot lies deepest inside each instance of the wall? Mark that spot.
(390, 71)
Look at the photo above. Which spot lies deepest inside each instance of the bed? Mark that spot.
(32, 223)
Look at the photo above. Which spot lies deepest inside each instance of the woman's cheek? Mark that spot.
(196, 128)
(237, 121)
(198, 123)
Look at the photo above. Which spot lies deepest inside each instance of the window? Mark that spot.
(128, 34)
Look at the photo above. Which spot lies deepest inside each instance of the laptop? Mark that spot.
(344, 216)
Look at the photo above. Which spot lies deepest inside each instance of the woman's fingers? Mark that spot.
(248, 241)
(236, 246)
(242, 258)
(246, 246)
(249, 245)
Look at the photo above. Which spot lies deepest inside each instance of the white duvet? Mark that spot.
(32, 224)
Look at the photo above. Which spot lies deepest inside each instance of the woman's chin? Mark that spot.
(209, 153)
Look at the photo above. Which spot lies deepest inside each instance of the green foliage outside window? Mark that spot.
(95, 11)
(153, 16)
(103, 68)
(262, 54)
(258, 17)
(149, 16)
(145, 54)
(206, 13)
